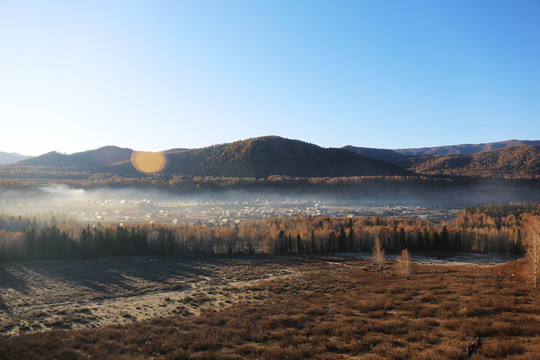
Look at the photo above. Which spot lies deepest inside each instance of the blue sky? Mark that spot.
(155, 75)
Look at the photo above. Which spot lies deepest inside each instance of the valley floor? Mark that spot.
(76, 294)
(267, 307)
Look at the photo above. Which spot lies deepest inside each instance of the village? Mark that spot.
(122, 208)
(111, 210)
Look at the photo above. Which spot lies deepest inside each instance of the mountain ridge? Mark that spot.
(273, 155)
(516, 161)
(91, 159)
(9, 158)
(464, 149)
(256, 157)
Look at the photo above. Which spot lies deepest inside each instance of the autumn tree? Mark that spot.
(404, 264)
(531, 243)
(378, 255)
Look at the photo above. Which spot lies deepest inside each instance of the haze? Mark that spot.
(136, 205)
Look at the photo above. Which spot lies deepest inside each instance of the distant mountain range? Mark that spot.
(271, 155)
(8, 158)
(465, 148)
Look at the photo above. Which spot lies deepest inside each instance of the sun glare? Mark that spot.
(148, 162)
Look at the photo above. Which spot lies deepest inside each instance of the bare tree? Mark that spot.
(404, 264)
(531, 243)
(378, 255)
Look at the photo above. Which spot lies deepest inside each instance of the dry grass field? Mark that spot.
(264, 307)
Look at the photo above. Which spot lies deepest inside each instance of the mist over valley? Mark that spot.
(302, 180)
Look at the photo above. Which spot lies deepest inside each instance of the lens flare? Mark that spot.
(148, 162)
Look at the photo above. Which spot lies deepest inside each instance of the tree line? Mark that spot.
(57, 237)
(358, 186)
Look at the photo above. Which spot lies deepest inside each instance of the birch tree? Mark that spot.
(378, 255)
(531, 243)
(404, 264)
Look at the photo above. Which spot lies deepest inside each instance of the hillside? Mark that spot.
(390, 156)
(514, 161)
(465, 148)
(98, 160)
(265, 156)
(492, 159)
(259, 157)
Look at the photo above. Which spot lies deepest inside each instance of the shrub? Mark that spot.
(502, 349)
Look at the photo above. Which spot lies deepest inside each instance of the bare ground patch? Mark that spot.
(47, 295)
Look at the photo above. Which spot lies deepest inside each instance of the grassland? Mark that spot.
(264, 307)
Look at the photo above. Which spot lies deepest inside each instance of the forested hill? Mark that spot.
(515, 161)
(99, 160)
(258, 157)
(465, 149)
(272, 155)
(390, 156)
(509, 161)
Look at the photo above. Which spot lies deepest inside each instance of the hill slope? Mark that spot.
(259, 157)
(98, 160)
(272, 155)
(514, 161)
(465, 148)
(390, 156)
